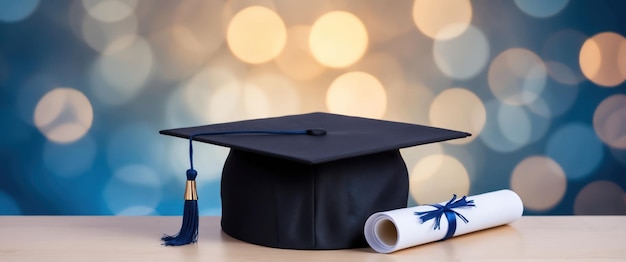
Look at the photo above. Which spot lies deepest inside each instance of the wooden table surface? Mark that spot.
(109, 238)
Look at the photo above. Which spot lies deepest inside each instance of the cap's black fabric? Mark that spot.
(312, 192)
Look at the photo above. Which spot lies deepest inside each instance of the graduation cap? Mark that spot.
(305, 181)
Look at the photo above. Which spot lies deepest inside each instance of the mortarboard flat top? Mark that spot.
(346, 136)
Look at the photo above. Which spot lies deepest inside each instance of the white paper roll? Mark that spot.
(393, 230)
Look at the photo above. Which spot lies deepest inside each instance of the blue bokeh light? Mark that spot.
(577, 149)
(12, 11)
(541, 8)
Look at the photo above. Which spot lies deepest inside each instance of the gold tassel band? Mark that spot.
(190, 190)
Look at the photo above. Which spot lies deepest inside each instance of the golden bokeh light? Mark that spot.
(600, 59)
(431, 17)
(609, 121)
(338, 39)
(256, 35)
(296, 60)
(517, 76)
(109, 10)
(63, 115)
(540, 182)
(357, 94)
(458, 109)
(436, 178)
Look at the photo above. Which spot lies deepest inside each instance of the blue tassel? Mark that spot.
(189, 229)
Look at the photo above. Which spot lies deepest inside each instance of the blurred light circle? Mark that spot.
(109, 10)
(458, 109)
(600, 58)
(436, 178)
(70, 160)
(357, 94)
(431, 17)
(8, 205)
(120, 73)
(540, 182)
(338, 39)
(609, 121)
(12, 11)
(63, 115)
(601, 198)
(132, 186)
(541, 8)
(256, 35)
(99, 35)
(495, 133)
(517, 76)
(577, 149)
(296, 60)
(268, 94)
(452, 56)
(561, 55)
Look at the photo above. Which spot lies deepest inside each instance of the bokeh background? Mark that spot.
(85, 86)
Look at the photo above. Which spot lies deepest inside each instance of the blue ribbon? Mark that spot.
(450, 214)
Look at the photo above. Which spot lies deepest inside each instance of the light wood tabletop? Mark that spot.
(110, 238)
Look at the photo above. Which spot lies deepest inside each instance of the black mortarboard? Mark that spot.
(309, 181)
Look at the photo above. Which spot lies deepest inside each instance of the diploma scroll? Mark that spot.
(393, 230)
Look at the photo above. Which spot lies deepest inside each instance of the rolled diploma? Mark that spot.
(393, 230)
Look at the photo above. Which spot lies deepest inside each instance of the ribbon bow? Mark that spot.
(450, 214)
